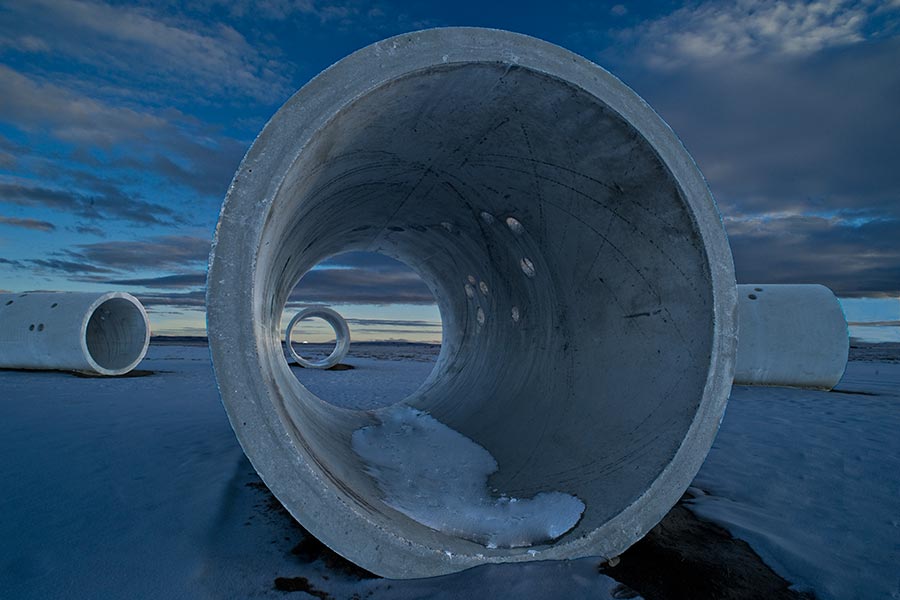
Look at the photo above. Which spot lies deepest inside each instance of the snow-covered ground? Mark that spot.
(812, 481)
(137, 488)
(382, 374)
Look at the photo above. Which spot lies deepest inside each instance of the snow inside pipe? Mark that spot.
(74, 331)
(341, 333)
(790, 335)
(585, 285)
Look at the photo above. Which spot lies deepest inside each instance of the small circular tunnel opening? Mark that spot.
(116, 335)
(312, 338)
(394, 324)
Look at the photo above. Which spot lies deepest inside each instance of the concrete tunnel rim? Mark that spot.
(341, 332)
(86, 319)
(238, 346)
(720, 269)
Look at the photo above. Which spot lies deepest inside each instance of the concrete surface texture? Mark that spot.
(790, 335)
(341, 333)
(583, 275)
(105, 333)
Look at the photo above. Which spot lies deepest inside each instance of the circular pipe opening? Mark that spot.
(341, 333)
(117, 334)
(396, 329)
(588, 327)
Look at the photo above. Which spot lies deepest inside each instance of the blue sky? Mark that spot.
(121, 124)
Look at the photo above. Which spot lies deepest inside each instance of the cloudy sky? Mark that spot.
(121, 124)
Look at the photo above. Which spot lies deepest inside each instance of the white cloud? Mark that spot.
(24, 43)
(324, 11)
(717, 31)
(368, 15)
(166, 142)
(33, 105)
(212, 58)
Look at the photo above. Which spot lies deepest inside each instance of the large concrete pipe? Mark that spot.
(790, 335)
(341, 336)
(583, 276)
(74, 331)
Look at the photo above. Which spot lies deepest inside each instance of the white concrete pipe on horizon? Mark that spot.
(583, 275)
(790, 335)
(105, 333)
(341, 335)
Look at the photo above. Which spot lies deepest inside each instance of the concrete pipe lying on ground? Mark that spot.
(341, 334)
(790, 335)
(104, 333)
(584, 280)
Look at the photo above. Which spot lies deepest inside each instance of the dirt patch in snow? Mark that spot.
(686, 558)
(308, 549)
(299, 584)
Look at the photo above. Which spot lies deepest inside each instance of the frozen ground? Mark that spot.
(812, 481)
(382, 374)
(136, 488)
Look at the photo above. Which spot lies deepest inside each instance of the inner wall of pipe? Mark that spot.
(573, 286)
(116, 334)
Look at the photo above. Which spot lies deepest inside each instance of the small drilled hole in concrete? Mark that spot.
(527, 266)
(757, 289)
(470, 291)
(752, 296)
(31, 327)
(472, 279)
(483, 287)
(515, 226)
(479, 315)
(447, 226)
(515, 314)
(41, 327)
(54, 305)
(487, 217)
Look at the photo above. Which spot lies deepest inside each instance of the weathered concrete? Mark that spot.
(791, 335)
(341, 334)
(583, 275)
(77, 331)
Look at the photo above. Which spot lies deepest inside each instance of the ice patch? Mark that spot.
(438, 477)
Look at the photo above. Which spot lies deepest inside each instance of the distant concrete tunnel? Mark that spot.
(584, 279)
(790, 335)
(104, 333)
